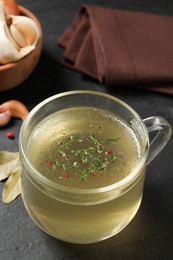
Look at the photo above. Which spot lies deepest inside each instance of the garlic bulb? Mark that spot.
(18, 38)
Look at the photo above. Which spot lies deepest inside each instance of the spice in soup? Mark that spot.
(84, 147)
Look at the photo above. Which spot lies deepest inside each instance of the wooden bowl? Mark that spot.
(13, 74)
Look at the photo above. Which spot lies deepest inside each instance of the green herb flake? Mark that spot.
(112, 140)
(91, 160)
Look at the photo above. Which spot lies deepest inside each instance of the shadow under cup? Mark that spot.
(87, 215)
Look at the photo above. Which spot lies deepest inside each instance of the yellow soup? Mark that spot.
(83, 148)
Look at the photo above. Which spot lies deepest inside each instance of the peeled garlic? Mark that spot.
(18, 39)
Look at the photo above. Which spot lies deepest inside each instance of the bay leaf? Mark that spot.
(12, 187)
(9, 161)
(7, 156)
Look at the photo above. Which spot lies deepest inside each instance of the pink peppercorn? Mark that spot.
(49, 162)
(10, 135)
(66, 176)
(95, 174)
(108, 152)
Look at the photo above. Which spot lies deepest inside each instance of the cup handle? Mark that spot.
(159, 139)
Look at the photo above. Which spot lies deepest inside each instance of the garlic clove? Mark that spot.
(9, 51)
(27, 28)
(4, 118)
(10, 38)
(24, 51)
(16, 108)
(18, 39)
(17, 36)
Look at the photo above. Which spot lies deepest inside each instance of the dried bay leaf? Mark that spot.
(7, 156)
(9, 161)
(12, 187)
(10, 167)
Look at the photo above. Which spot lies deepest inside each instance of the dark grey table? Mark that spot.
(150, 234)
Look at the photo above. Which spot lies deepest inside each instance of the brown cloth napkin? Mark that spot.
(120, 47)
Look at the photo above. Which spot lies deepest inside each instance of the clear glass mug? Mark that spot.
(88, 215)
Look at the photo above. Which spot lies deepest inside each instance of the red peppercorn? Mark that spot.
(95, 174)
(66, 176)
(49, 162)
(108, 152)
(10, 135)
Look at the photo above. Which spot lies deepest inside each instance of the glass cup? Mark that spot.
(88, 215)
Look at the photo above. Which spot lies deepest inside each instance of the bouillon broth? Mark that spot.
(83, 148)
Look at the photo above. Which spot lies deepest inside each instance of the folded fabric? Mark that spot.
(120, 47)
